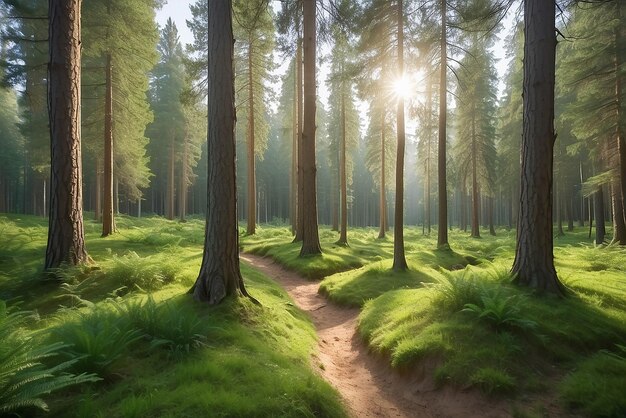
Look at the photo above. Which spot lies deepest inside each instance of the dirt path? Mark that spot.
(366, 382)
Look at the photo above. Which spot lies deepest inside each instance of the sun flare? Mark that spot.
(403, 87)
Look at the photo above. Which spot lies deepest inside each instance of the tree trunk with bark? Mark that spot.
(251, 227)
(343, 234)
(619, 134)
(475, 195)
(220, 275)
(108, 218)
(182, 194)
(492, 229)
(598, 214)
(98, 192)
(293, 179)
(534, 259)
(170, 179)
(300, 186)
(442, 228)
(399, 259)
(383, 197)
(429, 95)
(310, 235)
(66, 240)
(619, 227)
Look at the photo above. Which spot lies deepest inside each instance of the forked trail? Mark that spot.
(366, 382)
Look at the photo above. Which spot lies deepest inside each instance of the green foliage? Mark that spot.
(493, 381)
(143, 273)
(96, 339)
(25, 371)
(503, 312)
(173, 326)
(454, 291)
(598, 385)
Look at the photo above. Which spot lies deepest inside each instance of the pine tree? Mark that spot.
(66, 241)
(254, 31)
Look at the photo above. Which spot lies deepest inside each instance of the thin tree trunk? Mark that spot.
(98, 208)
(619, 227)
(475, 196)
(66, 241)
(343, 237)
(294, 153)
(300, 93)
(534, 260)
(220, 275)
(170, 179)
(383, 197)
(182, 194)
(582, 197)
(399, 260)
(598, 209)
(310, 236)
(251, 228)
(429, 94)
(108, 218)
(619, 134)
(442, 229)
(492, 230)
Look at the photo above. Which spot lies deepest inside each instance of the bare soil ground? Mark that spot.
(368, 385)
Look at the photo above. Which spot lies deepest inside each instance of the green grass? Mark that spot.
(128, 318)
(479, 330)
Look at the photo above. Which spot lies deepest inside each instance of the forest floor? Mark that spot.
(367, 384)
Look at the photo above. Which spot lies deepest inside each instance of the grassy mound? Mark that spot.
(128, 320)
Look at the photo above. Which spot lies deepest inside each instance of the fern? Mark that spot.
(24, 376)
(500, 311)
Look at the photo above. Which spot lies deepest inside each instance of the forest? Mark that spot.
(312, 208)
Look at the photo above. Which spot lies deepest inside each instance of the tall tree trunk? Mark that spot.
(619, 134)
(66, 240)
(300, 94)
(492, 230)
(534, 260)
(399, 260)
(293, 179)
(429, 95)
(442, 229)
(310, 236)
(619, 227)
(170, 179)
(475, 196)
(251, 227)
(98, 191)
(219, 275)
(559, 208)
(182, 194)
(383, 197)
(581, 221)
(598, 212)
(343, 235)
(463, 226)
(108, 218)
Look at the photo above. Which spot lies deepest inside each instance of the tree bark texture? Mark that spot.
(66, 240)
(442, 229)
(310, 236)
(251, 227)
(534, 259)
(399, 259)
(429, 95)
(108, 218)
(182, 194)
(619, 134)
(220, 275)
(98, 192)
